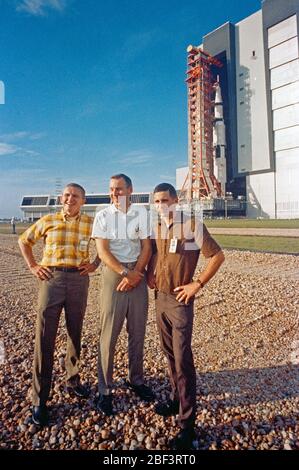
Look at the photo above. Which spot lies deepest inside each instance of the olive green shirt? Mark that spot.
(177, 269)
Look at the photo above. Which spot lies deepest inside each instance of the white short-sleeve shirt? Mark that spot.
(124, 230)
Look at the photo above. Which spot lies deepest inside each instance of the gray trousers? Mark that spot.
(63, 290)
(115, 308)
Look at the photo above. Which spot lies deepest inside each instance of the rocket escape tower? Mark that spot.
(202, 180)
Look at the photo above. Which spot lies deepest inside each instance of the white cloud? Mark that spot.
(7, 142)
(29, 153)
(37, 136)
(14, 136)
(136, 158)
(40, 7)
(19, 135)
(7, 149)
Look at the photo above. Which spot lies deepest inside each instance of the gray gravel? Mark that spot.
(246, 351)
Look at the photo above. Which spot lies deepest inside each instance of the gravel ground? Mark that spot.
(246, 351)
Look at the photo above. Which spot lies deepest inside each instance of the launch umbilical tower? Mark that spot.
(202, 182)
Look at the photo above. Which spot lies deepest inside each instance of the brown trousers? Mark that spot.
(175, 322)
(63, 290)
(115, 308)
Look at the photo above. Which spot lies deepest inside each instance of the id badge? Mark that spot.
(83, 245)
(173, 245)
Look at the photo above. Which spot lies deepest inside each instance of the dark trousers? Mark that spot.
(63, 290)
(175, 322)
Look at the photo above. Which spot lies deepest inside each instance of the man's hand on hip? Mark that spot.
(187, 292)
(86, 268)
(41, 272)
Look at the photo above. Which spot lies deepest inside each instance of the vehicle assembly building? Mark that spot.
(243, 115)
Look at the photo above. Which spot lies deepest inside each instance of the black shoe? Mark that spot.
(183, 440)
(169, 408)
(79, 390)
(143, 391)
(40, 415)
(104, 404)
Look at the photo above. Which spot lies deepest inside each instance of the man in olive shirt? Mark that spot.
(177, 244)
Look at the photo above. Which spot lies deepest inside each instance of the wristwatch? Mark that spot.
(124, 272)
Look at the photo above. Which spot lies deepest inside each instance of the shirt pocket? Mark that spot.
(49, 249)
(187, 244)
(83, 245)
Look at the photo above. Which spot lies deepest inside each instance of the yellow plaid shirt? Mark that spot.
(66, 240)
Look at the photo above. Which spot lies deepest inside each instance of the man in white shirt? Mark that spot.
(122, 235)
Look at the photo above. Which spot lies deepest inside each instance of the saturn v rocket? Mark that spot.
(219, 140)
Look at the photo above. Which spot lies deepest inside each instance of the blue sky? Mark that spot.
(94, 88)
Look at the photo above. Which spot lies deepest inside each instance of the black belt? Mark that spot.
(63, 269)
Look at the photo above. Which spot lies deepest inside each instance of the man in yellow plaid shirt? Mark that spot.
(63, 276)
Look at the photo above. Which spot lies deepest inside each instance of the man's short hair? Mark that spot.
(128, 180)
(76, 185)
(166, 187)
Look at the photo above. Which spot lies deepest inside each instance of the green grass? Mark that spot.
(253, 223)
(258, 243)
(221, 223)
